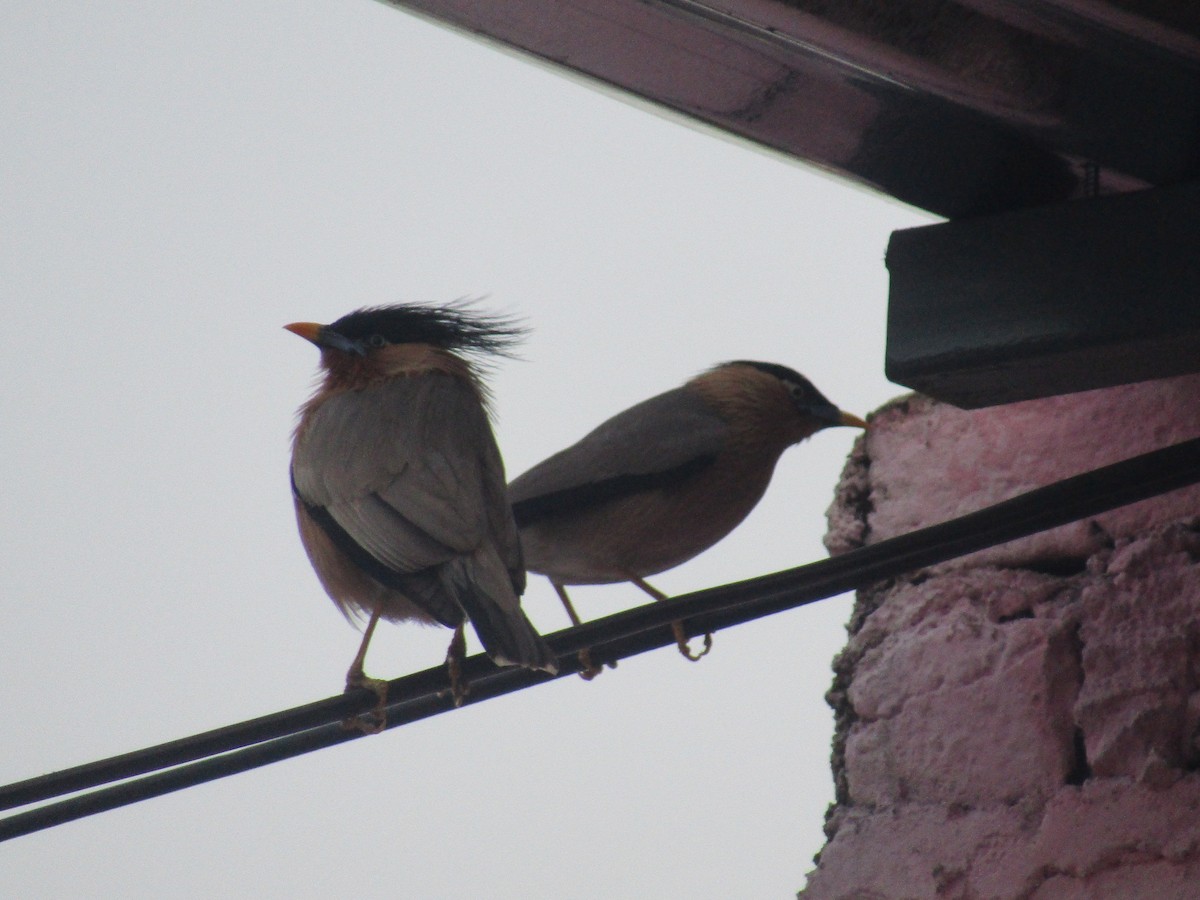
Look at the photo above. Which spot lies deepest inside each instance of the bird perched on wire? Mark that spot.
(664, 480)
(399, 486)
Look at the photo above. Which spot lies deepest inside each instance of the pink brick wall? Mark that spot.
(1022, 722)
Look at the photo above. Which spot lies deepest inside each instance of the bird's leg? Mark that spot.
(374, 721)
(676, 627)
(454, 658)
(589, 670)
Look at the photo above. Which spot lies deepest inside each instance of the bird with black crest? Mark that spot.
(399, 486)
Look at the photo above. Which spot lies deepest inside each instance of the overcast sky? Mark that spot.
(180, 181)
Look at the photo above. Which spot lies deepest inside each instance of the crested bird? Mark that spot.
(664, 480)
(399, 486)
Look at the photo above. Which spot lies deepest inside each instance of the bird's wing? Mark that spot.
(657, 443)
(407, 471)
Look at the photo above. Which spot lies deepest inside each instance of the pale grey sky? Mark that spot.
(181, 180)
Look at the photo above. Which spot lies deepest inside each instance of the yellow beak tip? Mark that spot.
(310, 331)
(852, 420)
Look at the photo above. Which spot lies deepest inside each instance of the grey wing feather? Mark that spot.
(388, 535)
(414, 500)
(657, 436)
(501, 524)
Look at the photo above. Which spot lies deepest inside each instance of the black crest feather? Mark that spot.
(454, 326)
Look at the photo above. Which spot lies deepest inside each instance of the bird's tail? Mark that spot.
(483, 588)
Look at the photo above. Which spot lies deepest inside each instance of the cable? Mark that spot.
(257, 742)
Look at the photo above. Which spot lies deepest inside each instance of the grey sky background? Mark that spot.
(181, 180)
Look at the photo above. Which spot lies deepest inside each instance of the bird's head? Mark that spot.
(768, 402)
(385, 340)
(806, 399)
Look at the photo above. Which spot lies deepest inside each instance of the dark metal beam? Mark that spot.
(960, 108)
(1038, 302)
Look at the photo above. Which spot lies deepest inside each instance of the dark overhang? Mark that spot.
(965, 109)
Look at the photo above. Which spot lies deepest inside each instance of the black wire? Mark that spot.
(268, 739)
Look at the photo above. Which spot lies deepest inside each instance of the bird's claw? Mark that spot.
(375, 720)
(590, 670)
(681, 641)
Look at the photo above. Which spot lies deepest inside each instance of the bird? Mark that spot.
(666, 479)
(399, 486)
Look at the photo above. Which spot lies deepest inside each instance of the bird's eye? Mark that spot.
(801, 394)
(376, 341)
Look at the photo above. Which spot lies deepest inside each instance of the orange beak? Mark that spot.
(845, 418)
(310, 331)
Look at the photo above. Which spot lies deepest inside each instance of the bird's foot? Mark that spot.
(454, 658)
(681, 641)
(459, 688)
(374, 721)
(590, 670)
